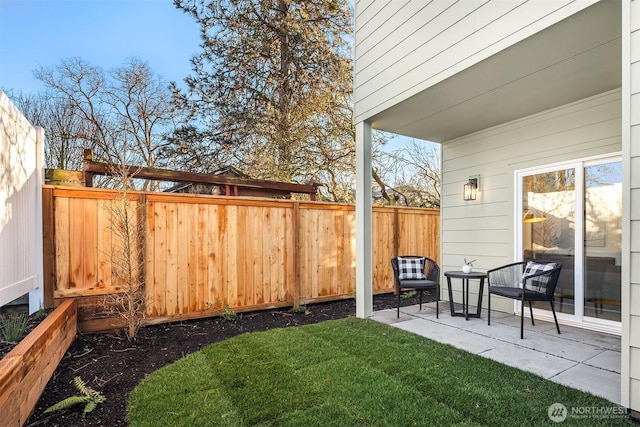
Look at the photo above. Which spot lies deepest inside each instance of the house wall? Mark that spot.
(404, 47)
(21, 154)
(631, 241)
(484, 229)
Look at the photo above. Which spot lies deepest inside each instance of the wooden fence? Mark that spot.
(248, 253)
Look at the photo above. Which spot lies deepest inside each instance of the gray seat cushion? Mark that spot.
(417, 284)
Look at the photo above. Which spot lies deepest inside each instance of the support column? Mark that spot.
(364, 270)
(630, 344)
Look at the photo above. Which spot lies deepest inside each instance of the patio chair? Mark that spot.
(412, 272)
(525, 281)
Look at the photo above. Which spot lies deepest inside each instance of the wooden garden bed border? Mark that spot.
(25, 371)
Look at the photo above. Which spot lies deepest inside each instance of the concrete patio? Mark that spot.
(578, 358)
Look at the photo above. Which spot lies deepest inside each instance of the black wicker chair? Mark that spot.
(526, 282)
(429, 277)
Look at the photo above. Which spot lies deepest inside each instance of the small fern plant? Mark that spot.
(90, 397)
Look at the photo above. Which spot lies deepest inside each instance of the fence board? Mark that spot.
(192, 256)
(248, 253)
(76, 238)
(288, 255)
(160, 268)
(235, 251)
(104, 243)
(216, 265)
(171, 284)
(382, 240)
(61, 255)
(150, 259)
(201, 255)
(266, 260)
(183, 256)
(90, 242)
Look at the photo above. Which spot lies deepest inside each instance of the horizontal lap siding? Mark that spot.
(404, 47)
(483, 229)
(218, 250)
(631, 360)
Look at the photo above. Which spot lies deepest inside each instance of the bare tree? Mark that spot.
(141, 105)
(128, 109)
(410, 175)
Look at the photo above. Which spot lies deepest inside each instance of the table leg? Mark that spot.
(479, 308)
(451, 304)
(465, 301)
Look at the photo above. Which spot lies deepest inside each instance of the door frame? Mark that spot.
(577, 319)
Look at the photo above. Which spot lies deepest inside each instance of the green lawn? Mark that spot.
(349, 372)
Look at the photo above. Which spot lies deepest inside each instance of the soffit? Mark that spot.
(571, 60)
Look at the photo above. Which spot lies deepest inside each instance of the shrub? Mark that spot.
(13, 327)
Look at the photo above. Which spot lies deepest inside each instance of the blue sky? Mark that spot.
(105, 33)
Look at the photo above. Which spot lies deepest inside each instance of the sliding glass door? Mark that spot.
(572, 215)
(602, 240)
(548, 228)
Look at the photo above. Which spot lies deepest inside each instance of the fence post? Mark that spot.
(396, 231)
(88, 176)
(141, 227)
(48, 247)
(295, 226)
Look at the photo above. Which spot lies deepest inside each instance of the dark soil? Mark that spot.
(114, 366)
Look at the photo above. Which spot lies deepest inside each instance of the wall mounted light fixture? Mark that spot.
(470, 189)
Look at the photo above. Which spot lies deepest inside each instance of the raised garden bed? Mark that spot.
(26, 369)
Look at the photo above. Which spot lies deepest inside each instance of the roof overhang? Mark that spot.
(571, 60)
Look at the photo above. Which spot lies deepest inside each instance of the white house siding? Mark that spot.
(631, 274)
(21, 155)
(404, 47)
(484, 229)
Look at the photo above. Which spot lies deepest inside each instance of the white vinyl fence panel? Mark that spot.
(21, 155)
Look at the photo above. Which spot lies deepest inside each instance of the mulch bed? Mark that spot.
(114, 366)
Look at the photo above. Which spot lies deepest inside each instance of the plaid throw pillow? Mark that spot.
(540, 283)
(411, 268)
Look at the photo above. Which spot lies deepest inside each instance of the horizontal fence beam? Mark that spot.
(92, 167)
